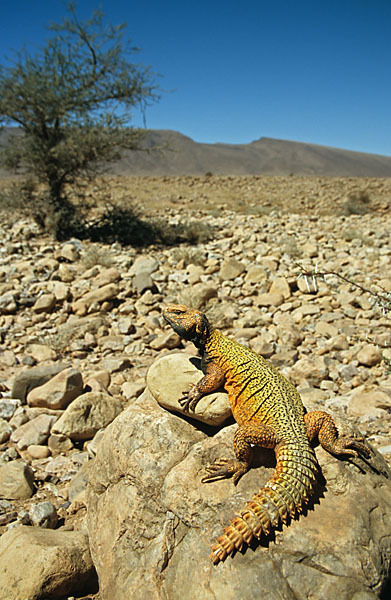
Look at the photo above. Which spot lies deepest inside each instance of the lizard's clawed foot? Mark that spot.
(225, 467)
(351, 446)
(189, 400)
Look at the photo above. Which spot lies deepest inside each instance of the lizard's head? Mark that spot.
(188, 323)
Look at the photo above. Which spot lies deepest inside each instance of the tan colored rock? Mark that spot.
(256, 274)
(29, 378)
(230, 269)
(106, 276)
(280, 285)
(168, 340)
(107, 292)
(98, 380)
(269, 299)
(310, 250)
(370, 403)
(41, 352)
(16, 481)
(44, 563)
(44, 303)
(38, 451)
(58, 443)
(198, 295)
(313, 370)
(87, 414)
(66, 272)
(5, 431)
(326, 329)
(35, 431)
(59, 391)
(59, 289)
(69, 252)
(369, 355)
(170, 376)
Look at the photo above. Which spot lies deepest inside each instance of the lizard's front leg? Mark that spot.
(213, 379)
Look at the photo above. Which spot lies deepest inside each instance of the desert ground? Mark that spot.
(332, 338)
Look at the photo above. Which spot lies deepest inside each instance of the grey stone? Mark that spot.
(43, 515)
(8, 406)
(28, 379)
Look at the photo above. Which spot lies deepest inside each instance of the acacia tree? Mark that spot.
(73, 100)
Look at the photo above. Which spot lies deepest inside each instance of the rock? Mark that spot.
(116, 364)
(144, 264)
(169, 340)
(16, 481)
(59, 443)
(44, 303)
(59, 391)
(143, 282)
(370, 403)
(43, 515)
(280, 285)
(256, 274)
(313, 370)
(41, 352)
(132, 389)
(8, 407)
(60, 290)
(5, 431)
(126, 325)
(369, 355)
(98, 381)
(69, 252)
(230, 269)
(269, 299)
(28, 379)
(326, 329)
(88, 413)
(106, 276)
(197, 295)
(67, 273)
(38, 451)
(147, 471)
(170, 376)
(107, 292)
(53, 564)
(78, 485)
(33, 432)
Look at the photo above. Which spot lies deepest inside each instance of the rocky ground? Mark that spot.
(81, 324)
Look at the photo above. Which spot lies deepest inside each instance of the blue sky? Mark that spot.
(310, 71)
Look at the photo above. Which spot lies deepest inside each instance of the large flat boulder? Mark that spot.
(151, 522)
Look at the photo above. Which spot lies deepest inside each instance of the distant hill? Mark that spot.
(180, 155)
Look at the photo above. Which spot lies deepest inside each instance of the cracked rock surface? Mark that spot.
(151, 521)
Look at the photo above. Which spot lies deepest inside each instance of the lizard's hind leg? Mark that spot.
(245, 438)
(320, 424)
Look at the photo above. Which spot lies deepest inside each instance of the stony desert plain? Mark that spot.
(93, 311)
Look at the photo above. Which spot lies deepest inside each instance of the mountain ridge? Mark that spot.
(178, 154)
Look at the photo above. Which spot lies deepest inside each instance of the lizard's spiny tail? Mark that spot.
(283, 495)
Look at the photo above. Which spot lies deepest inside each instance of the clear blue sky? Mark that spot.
(311, 71)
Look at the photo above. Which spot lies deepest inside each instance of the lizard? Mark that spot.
(270, 414)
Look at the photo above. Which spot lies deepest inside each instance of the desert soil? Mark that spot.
(247, 276)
